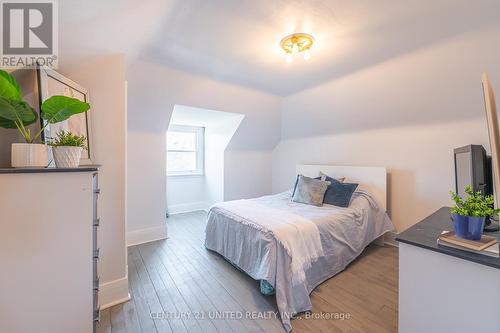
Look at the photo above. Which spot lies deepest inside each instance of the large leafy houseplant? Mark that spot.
(469, 213)
(15, 113)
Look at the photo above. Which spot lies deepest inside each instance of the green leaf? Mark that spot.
(475, 204)
(69, 139)
(12, 111)
(9, 88)
(59, 108)
(6, 123)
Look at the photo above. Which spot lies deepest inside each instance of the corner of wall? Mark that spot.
(114, 292)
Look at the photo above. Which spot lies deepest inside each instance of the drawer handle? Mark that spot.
(96, 222)
(97, 314)
(96, 253)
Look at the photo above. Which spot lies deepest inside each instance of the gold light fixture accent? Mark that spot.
(297, 43)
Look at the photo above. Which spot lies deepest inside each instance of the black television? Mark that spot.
(472, 167)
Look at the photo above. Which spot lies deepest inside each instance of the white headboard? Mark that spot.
(373, 178)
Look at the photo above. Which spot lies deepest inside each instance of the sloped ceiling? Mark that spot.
(238, 41)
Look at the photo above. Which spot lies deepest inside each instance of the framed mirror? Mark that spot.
(52, 83)
(493, 133)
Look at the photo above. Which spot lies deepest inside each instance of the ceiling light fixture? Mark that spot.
(297, 43)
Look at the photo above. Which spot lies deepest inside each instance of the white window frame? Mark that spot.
(199, 149)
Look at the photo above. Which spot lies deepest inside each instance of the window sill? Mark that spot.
(181, 175)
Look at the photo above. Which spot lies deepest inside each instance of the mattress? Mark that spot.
(344, 233)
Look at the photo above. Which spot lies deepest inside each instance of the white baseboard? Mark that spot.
(113, 292)
(188, 207)
(146, 235)
(390, 239)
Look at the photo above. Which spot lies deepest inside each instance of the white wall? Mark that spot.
(407, 113)
(104, 77)
(186, 193)
(218, 136)
(247, 174)
(154, 90)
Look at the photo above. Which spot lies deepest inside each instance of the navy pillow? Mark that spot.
(339, 194)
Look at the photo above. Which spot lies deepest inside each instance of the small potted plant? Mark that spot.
(67, 149)
(470, 214)
(17, 114)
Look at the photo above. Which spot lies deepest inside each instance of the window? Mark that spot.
(185, 149)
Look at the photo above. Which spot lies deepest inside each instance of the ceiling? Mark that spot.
(238, 41)
(191, 116)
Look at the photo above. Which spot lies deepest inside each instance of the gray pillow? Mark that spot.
(310, 191)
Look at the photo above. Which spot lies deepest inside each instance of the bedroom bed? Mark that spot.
(293, 247)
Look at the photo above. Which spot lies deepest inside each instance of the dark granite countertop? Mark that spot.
(82, 168)
(425, 233)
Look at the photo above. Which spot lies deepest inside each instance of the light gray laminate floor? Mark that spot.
(180, 278)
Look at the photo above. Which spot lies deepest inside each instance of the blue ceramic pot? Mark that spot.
(468, 227)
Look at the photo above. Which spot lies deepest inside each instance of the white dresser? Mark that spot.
(442, 289)
(48, 250)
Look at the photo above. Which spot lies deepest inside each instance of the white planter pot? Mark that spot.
(67, 157)
(29, 155)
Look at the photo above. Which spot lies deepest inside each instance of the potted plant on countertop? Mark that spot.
(470, 214)
(67, 149)
(15, 113)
